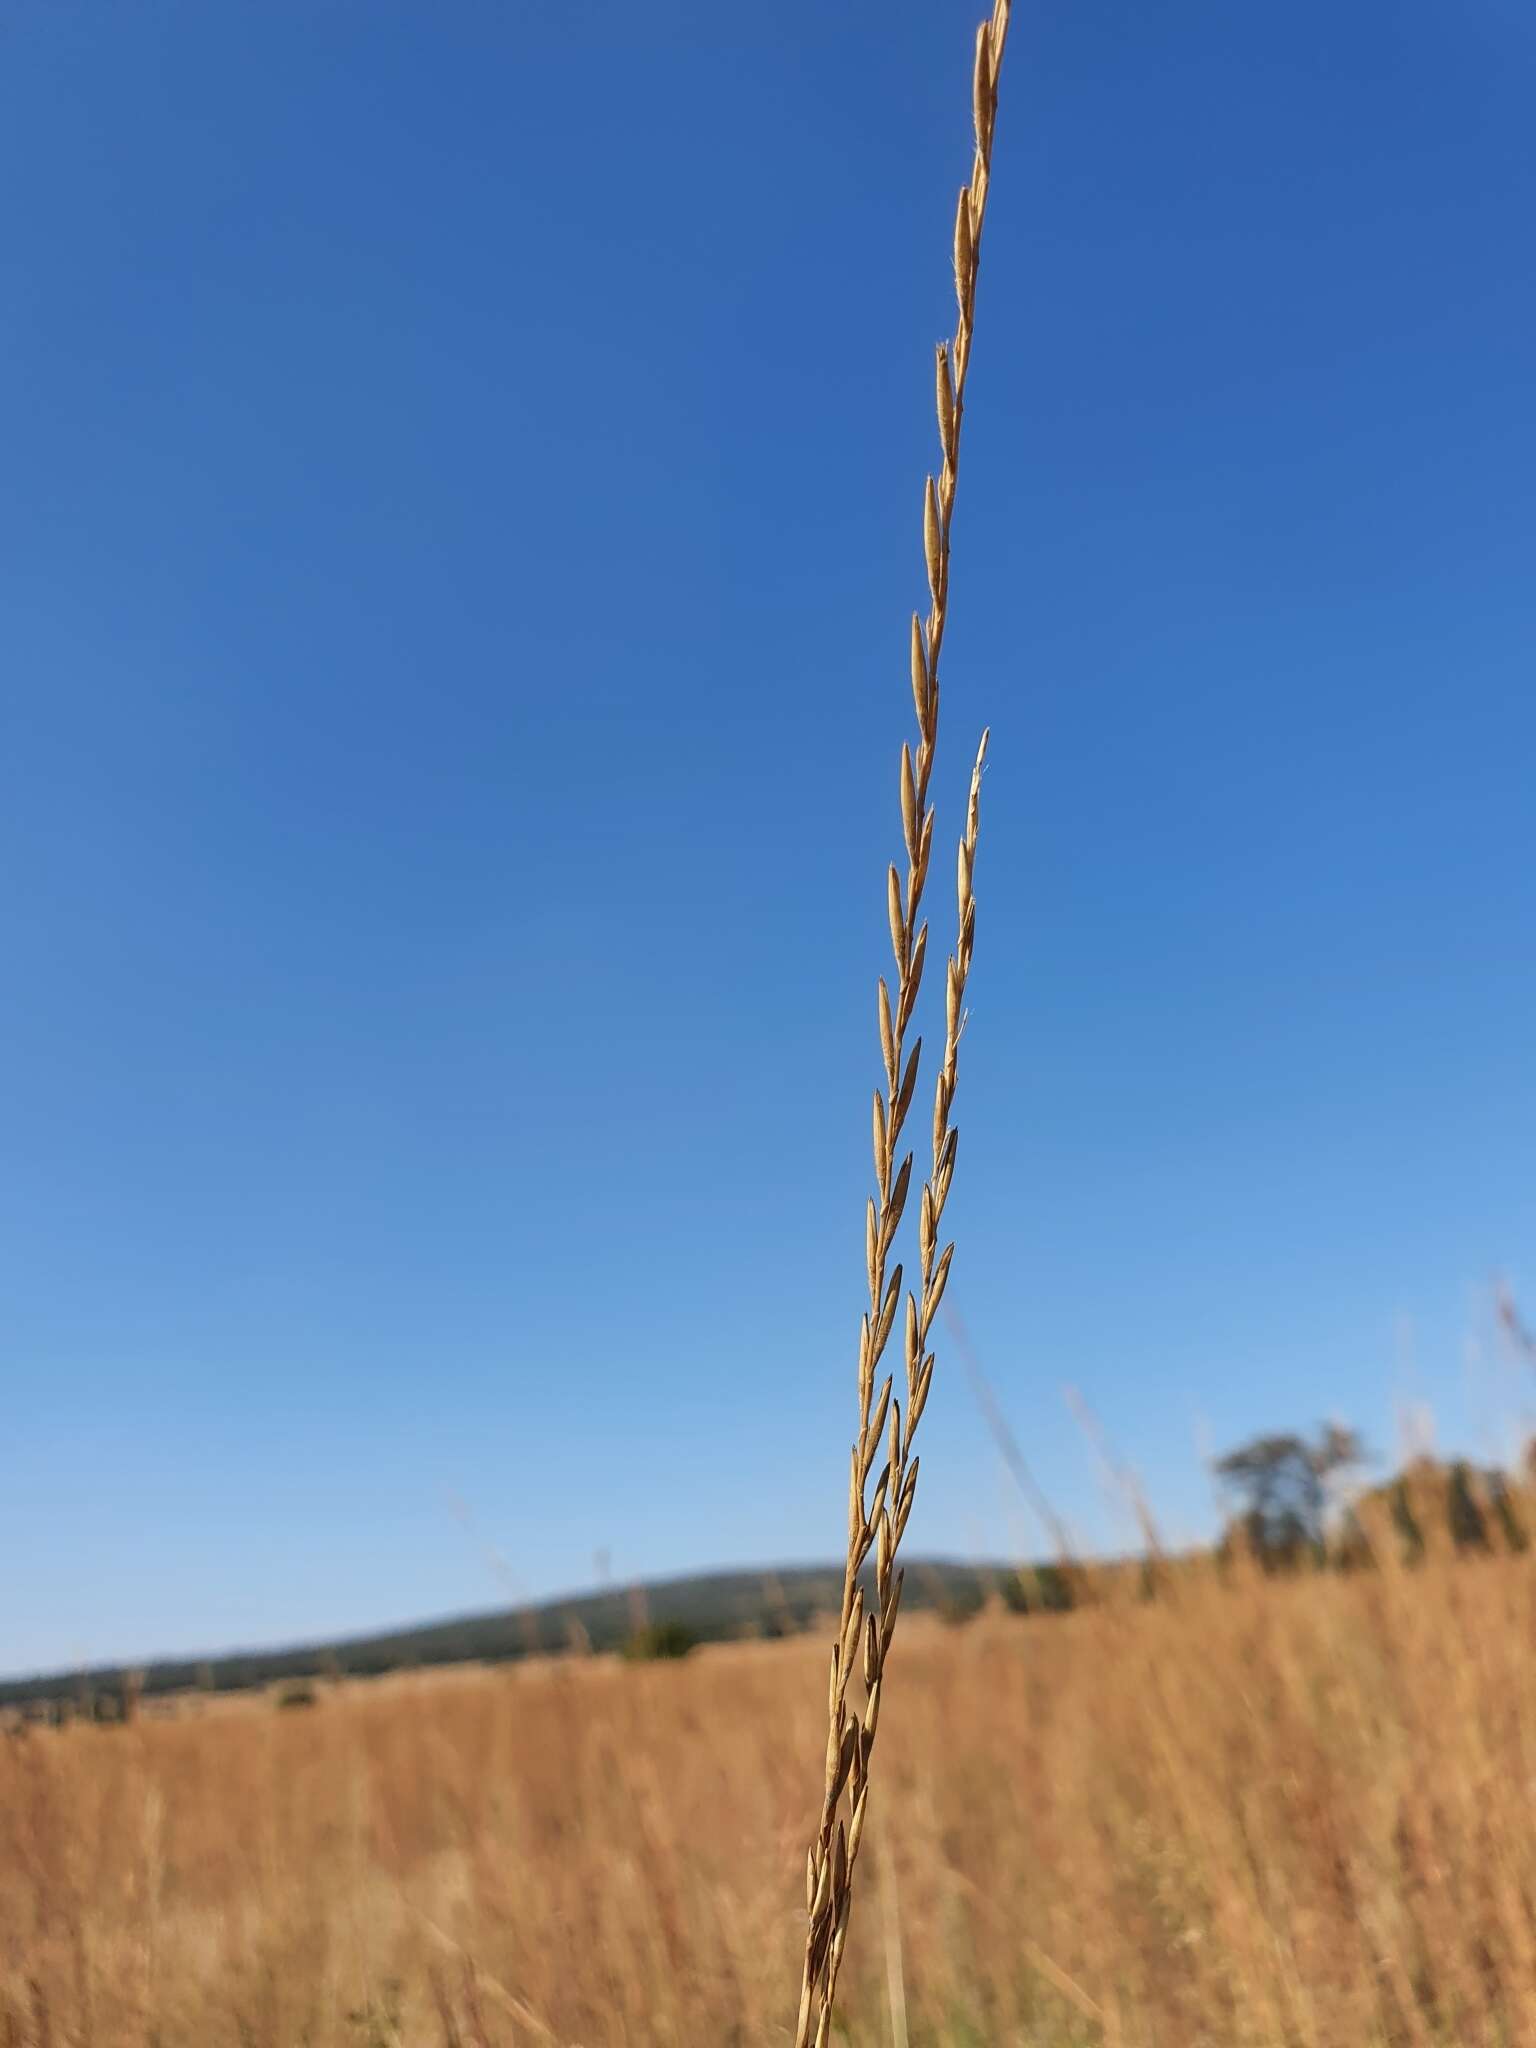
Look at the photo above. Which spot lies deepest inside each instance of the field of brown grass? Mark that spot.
(1291, 1812)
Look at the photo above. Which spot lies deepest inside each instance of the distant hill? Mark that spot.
(712, 1606)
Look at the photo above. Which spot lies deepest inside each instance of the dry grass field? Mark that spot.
(1287, 1812)
(1209, 1807)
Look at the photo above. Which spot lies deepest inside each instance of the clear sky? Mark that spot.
(459, 519)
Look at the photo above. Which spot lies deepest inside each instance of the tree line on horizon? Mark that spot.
(1296, 1500)
(1293, 1502)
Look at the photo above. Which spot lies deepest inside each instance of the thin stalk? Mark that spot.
(877, 1518)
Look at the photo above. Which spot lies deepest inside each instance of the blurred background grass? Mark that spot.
(1226, 1800)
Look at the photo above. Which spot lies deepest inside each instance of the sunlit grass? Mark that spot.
(1293, 1812)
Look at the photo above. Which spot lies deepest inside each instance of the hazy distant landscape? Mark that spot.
(705, 1606)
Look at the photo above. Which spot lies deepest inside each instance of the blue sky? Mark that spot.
(459, 517)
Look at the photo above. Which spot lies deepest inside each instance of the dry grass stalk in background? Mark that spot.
(1258, 1813)
(876, 1522)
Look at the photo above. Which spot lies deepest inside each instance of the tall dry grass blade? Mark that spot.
(877, 1520)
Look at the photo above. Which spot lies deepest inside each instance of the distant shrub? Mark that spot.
(299, 1692)
(961, 1606)
(1040, 1589)
(1464, 1511)
(659, 1639)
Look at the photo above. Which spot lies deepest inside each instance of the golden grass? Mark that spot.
(1292, 1813)
(876, 1520)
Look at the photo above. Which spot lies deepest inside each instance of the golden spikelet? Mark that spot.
(876, 1520)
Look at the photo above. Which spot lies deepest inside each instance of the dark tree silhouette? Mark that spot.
(1280, 1487)
(1464, 1511)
